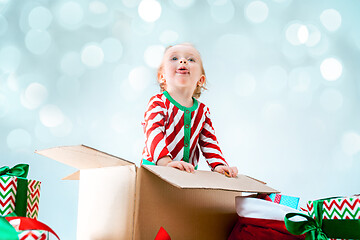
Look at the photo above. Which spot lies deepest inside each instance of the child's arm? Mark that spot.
(184, 166)
(211, 149)
(154, 129)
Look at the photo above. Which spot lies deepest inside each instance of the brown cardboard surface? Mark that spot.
(118, 202)
(106, 203)
(82, 157)
(184, 213)
(209, 180)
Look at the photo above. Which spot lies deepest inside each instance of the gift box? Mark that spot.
(22, 228)
(18, 196)
(118, 200)
(331, 218)
(338, 208)
(289, 201)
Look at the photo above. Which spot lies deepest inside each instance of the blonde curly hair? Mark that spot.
(198, 89)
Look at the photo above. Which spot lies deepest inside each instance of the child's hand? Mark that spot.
(226, 170)
(184, 166)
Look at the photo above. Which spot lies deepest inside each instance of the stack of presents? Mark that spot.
(117, 200)
(19, 206)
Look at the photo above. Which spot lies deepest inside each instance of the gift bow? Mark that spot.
(315, 229)
(20, 170)
(311, 227)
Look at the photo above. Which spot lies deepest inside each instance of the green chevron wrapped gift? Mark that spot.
(338, 208)
(331, 218)
(18, 195)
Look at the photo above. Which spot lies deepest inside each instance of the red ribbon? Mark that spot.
(31, 224)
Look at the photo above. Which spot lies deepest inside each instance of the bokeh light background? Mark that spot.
(283, 87)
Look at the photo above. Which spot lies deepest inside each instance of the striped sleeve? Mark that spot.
(209, 145)
(154, 129)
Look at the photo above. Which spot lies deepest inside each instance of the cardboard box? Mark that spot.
(117, 200)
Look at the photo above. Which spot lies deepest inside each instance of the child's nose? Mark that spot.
(183, 60)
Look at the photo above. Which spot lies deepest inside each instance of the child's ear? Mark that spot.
(161, 78)
(201, 80)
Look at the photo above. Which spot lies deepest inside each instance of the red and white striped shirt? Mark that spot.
(179, 132)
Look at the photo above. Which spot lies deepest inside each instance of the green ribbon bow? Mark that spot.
(322, 229)
(20, 171)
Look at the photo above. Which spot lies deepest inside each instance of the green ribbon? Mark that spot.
(322, 229)
(20, 171)
(7, 232)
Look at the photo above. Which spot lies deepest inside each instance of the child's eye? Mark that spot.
(191, 60)
(174, 58)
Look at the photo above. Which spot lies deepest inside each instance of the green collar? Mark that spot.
(178, 105)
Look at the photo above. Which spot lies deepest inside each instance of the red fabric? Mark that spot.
(162, 235)
(32, 224)
(259, 229)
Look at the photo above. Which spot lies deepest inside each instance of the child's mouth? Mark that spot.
(182, 70)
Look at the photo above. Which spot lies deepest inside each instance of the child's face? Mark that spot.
(182, 68)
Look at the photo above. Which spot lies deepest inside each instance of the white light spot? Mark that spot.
(168, 37)
(153, 55)
(293, 33)
(92, 55)
(71, 15)
(275, 79)
(331, 69)
(331, 99)
(314, 36)
(99, 14)
(18, 139)
(331, 19)
(51, 116)
(245, 84)
(350, 143)
(71, 64)
(303, 34)
(40, 18)
(222, 12)
(149, 10)
(256, 11)
(35, 94)
(10, 57)
(98, 7)
(112, 48)
(37, 41)
(3, 25)
(183, 3)
(13, 82)
(62, 130)
(139, 78)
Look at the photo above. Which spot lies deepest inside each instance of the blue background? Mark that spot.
(283, 87)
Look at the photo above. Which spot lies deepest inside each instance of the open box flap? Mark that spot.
(209, 180)
(83, 157)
